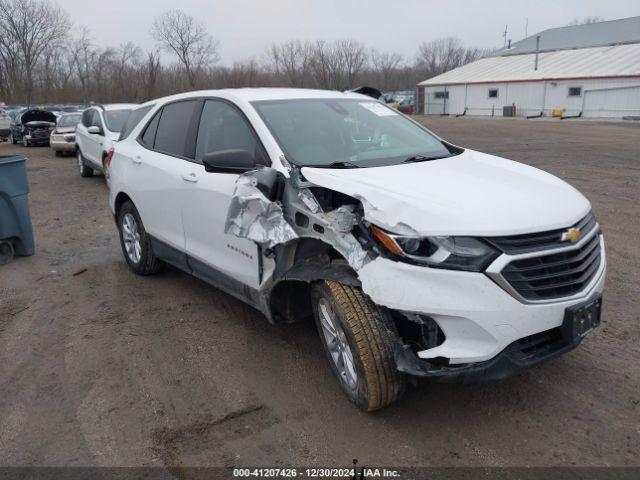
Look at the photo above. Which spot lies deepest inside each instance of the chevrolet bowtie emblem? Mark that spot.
(570, 235)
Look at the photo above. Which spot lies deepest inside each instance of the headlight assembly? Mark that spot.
(456, 253)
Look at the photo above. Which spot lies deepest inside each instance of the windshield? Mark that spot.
(115, 119)
(69, 120)
(362, 133)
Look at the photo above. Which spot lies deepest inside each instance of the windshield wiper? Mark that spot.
(423, 158)
(340, 164)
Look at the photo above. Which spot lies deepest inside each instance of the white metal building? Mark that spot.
(588, 70)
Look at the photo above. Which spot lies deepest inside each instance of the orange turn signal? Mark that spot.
(386, 240)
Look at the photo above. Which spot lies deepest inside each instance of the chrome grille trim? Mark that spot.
(540, 241)
(495, 270)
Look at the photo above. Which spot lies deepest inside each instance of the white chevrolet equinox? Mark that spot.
(414, 256)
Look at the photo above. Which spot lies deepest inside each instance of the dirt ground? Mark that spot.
(102, 367)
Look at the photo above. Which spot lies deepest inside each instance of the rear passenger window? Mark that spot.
(133, 120)
(149, 136)
(173, 127)
(222, 127)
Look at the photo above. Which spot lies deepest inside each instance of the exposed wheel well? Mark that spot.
(298, 265)
(120, 199)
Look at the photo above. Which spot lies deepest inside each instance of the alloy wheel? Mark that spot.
(337, 344)
(131, 237)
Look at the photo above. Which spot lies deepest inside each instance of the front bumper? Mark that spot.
(37, 140)
(479, 318)
(518, 356)
(62, 145)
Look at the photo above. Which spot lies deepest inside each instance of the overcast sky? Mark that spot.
(245, 27)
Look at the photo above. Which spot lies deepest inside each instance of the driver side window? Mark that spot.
(222, 127)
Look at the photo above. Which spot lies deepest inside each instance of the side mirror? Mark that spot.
(94, 130)
(229, 161)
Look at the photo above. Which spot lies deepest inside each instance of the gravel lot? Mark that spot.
(101, 367)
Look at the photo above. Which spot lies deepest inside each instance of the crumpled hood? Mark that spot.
(471, 194)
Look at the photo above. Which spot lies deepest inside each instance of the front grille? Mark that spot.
(39, 133)
(538, 346)
(533, 242)
(555, 275)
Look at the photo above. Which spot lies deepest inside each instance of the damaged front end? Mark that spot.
(311, 233)
(272, 211)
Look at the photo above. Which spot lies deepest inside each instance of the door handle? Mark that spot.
(137, 159)
(190, 177)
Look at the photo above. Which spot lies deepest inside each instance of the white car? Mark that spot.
(414, 256)
(96, 133)
(63, 137)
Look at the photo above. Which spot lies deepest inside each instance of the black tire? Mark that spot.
(371, 336)
(58, 153)
(6, 252)
(148, 263)
(84, 170)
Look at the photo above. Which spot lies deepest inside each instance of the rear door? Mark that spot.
(157, 171)
(207, 196)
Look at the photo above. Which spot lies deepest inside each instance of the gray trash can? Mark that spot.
(16, 234)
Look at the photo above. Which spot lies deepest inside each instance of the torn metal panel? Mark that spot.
(333, 228)
(253, 216)
(269, 223)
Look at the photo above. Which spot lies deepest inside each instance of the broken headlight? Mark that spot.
(456, 253)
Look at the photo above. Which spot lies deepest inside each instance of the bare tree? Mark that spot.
(150, 71)
(444, 54)
(384, 68)
(188, 39)
(31, 26)
(352, 59)
(291, 61)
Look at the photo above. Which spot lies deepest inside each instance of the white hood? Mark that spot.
(472, 194)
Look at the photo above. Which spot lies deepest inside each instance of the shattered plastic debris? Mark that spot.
(251, 215)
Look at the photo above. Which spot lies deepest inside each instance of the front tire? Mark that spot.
(84, 170)
(359, 339)
(135, 242)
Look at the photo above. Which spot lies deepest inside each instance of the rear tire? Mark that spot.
(84, 170)
(105, 172)
(368, 335)
(135, 242)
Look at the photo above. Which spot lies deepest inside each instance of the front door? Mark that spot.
(222, 126)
